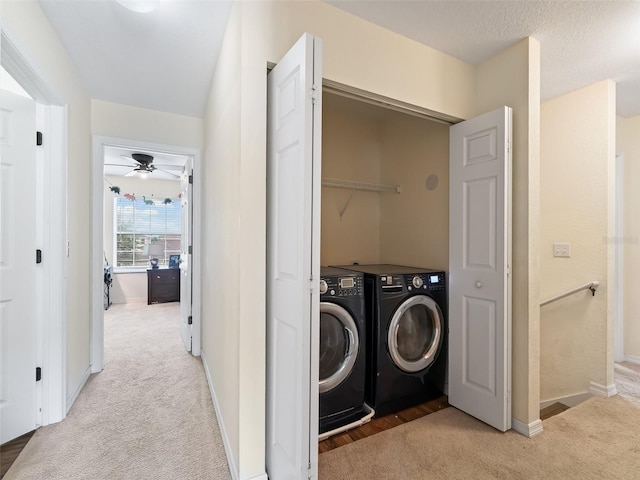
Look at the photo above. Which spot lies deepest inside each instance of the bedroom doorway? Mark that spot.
(139, 203)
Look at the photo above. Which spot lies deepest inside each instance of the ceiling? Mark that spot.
(164, 60)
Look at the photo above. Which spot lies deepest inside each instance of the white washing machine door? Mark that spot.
(338, 345)
(415, 333)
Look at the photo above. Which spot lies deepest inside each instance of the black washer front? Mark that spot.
(342, 362)
(406, 310)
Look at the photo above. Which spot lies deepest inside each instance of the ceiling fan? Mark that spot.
(144, 165)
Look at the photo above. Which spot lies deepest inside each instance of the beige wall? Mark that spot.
(371, 144)
(40, 44)
(512, 78)
(129, 286)
(628, 144)
(124, 121)
(577, 155)
(222, 256)
(358, 54)
(351, 148)
(414, 226)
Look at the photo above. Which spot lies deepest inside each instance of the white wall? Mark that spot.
(131, 286)
(628, 144)
(576, 188)
(41, 46)
(512, 78)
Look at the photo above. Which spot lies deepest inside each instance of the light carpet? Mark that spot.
(598, 439)
(147, 415)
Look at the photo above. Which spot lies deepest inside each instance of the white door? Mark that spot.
(293, 261)
(479, 268)
(186, 196)
(17, 266)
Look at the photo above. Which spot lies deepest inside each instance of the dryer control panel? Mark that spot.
(348, 286)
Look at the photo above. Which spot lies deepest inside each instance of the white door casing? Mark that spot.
(479, 268)
(186, 194)
(293, 261)
(18, 323)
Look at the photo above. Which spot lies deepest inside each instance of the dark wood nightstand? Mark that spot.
(163, 285)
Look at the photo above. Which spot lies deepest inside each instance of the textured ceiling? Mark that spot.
(581, 42)
(164, 60)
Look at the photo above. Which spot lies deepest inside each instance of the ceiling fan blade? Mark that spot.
(117, 165)
(132, 173)
(170, 173)
(170, 167)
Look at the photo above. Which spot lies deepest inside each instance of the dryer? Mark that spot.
(406, 310)
(342, 348)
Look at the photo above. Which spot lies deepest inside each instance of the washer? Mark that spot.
(342, 348)
(406, 311)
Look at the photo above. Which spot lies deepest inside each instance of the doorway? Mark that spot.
(124, 162)
(48, 285)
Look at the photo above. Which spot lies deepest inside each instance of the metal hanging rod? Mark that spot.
(587, 286)
(365, 187)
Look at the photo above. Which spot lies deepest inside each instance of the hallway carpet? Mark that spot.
(597, 439)
(147, 415)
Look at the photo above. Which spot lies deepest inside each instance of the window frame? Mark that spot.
(141, 268)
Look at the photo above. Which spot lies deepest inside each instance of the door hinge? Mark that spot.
(38, 374)
(190, 249)
(509, 147)
(191, 179)
(38, 256)
(38, 138)
(314, 94)
(190, 320)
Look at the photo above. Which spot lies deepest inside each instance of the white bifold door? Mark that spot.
(17, 266)
(479, 268)
(186, 217)
(293, 261)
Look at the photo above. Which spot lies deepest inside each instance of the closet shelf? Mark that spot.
(365, 187)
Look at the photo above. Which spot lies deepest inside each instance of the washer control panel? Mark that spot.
(347, 286)
(431, 281)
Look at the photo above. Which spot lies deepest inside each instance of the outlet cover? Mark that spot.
(562, 250)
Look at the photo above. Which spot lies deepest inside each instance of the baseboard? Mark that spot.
(72, 398)
(632, 359)
(603, 391)
(528, 430)
(223, 431)
(122, 301)
(568, 400)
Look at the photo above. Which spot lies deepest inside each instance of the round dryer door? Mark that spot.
(338, 345)
(415, 333)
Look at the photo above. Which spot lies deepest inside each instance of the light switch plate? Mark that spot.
(562, 250)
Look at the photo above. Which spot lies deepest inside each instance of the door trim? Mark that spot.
(97, 239)
(51, 289)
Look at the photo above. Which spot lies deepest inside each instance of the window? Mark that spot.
(143, 222)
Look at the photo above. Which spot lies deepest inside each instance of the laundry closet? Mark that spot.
(383, 148)
(384, 203)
